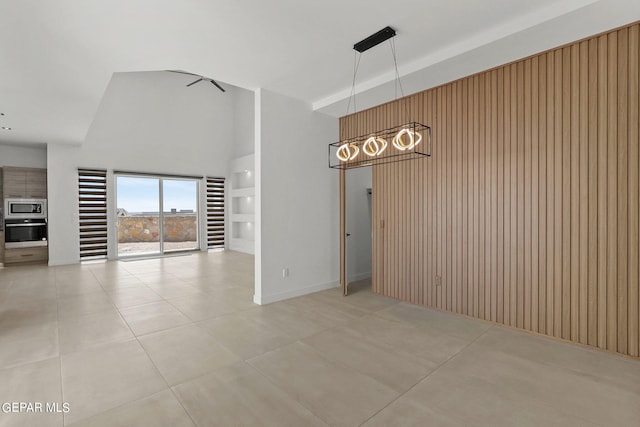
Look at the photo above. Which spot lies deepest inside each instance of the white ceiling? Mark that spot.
(57, 57)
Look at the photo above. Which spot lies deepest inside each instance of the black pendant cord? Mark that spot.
(398, 82)
(356, 65)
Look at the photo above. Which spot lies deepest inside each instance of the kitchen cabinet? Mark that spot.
(26, 255)
(36, 183)
(14, 182)
(1, 247)
(24, 183)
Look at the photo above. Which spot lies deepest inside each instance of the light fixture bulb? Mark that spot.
(374, 146)
(356, 150)
(406, 139)
(347, 151)
(370, 147)
(383, 146)
(343, 152)
(399, 140)
(6, 128)
(417, 135)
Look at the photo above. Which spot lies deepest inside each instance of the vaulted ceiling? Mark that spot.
(57, 57)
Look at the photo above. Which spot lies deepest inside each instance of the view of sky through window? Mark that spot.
(137, 195)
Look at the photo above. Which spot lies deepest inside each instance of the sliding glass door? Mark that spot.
(156, 215)
(138, 215)
(180, 214)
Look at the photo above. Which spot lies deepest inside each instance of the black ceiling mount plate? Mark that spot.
(375, 39)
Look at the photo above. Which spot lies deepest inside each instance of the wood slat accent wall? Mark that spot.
(527, 213)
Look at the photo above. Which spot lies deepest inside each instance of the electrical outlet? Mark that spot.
(285, 272)
(438, 280)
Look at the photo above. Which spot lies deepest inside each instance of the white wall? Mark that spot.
(25, 156)
(297, 199)
(358, 223)
(243, 126)
(146, 122)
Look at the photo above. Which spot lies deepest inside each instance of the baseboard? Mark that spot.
(359, 276)
(53, 263)
(268, 299)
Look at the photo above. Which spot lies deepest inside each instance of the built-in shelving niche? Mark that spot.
(242, 203)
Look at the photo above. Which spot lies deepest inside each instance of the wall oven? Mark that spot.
(25, 208)
(25, 233)
(25, 223)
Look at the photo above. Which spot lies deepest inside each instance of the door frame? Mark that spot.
(344, 280)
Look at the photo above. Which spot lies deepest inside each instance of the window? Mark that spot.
(215, 213)
(92, 203)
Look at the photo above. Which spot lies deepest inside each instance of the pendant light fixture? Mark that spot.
(407, 141)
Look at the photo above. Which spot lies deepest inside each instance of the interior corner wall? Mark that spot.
(24, 156)
(146, 122)
(527, 214)
(297, 199)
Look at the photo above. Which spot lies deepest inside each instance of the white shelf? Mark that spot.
(243, 217)
(243, 192)
(242, 164)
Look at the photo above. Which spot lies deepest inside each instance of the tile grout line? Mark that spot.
(429, 374)
(150, 360)
(157, 371)
(60, 276)
(283, 391)
(55, 282)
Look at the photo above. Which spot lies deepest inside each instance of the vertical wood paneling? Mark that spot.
(470, 206)
(476, 205)
(513, 169)
(602, 191)
(535, 180)
(566, 193)
(633, 190)
(612, 193)
(551, 259)
(520, 211)
(574, 191)
(448, 190)
(526, 158)
(542, 196)
(622, 168)
(559, 284)
(482, 192)
(466, 243)
(583, 182)
(500, 197)
(493, 272)
(461, 198)
(527, 213)
(592, 188)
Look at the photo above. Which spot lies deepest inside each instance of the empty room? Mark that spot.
(329, 214)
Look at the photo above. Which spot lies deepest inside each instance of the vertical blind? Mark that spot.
(215, 213)
(92, 204)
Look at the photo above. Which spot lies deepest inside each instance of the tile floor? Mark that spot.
(178, 342)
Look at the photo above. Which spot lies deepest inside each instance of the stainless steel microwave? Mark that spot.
(25, 208)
